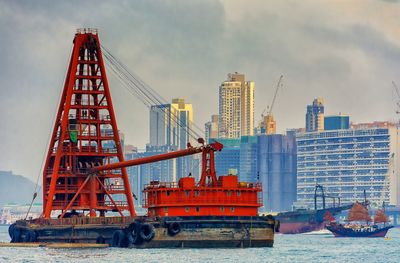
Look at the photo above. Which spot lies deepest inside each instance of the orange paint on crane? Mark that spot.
(84, 129)
(78, 173)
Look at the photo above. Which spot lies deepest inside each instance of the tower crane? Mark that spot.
(398, 96)
(268, 121)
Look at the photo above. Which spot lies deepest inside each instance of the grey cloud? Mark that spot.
(185, 49)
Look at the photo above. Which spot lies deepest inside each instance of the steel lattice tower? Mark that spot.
(85, 135)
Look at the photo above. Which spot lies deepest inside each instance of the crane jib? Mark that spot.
(216, 146)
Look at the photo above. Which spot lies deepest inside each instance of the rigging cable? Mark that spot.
(144, 92)
(41, 169)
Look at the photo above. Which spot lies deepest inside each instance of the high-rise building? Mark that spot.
(170, 126)
(236, 107)
(315, 116)
(337, 122)
(269, 159)
(211, 128)
(228, 160)
(248, 159)
(267, 125)
(276, 165)
(348, 161)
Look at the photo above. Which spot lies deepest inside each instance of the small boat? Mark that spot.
(358, 223)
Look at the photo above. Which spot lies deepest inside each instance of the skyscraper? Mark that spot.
(211, 128)
(337, 122)
(267, 125)
(276, 167)
(236, 107)
(169, 130)
(228, 160)
(248, 159)
(315, 116)
(169, 124)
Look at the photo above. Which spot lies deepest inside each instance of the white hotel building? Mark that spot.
(345, 162)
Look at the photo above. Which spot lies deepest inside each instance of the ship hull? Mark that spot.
(300, 227)
(340, 231)
(303, 221)
(190, 232)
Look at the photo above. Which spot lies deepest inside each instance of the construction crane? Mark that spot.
(268, 121)
(398, 96)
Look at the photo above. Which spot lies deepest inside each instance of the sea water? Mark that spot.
(287, 248)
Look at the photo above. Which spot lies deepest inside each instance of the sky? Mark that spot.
(346, 51)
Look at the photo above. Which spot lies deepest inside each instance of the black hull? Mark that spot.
(169, 232)
(303, 221)
(340, 231)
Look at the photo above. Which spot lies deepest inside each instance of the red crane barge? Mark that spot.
(80, 168)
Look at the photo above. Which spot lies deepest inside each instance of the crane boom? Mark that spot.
(276, 92)
(215, 146)
(396, 89)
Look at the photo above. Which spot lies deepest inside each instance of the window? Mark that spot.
(197, 209)
(196, 193)
(232, 209)
(165, 210)
(187, 193)
(168, 193)
(187, 209)
(229, 193)
(238, 193)
(222, 209)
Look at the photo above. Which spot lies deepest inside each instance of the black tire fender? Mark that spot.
(100, 240)
(11, 230)
(16, 235)
(134, 232)
(118, 239)
(174, 228)
(147, 232)
(30, 236)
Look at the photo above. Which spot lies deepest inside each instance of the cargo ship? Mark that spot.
(307, 220)
(358, 223)
(304, 220)
(84, 179)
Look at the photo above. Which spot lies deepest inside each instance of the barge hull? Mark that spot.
(143, 232)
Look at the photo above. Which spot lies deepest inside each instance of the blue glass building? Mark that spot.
(337, 122)
(229, 157)
(248, 159)
(276, 164)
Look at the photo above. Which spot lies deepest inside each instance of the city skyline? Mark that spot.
(337, 54)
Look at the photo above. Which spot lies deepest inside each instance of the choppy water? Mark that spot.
(287, 248)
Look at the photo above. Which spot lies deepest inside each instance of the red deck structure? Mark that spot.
(227, 198)
(224, 196)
